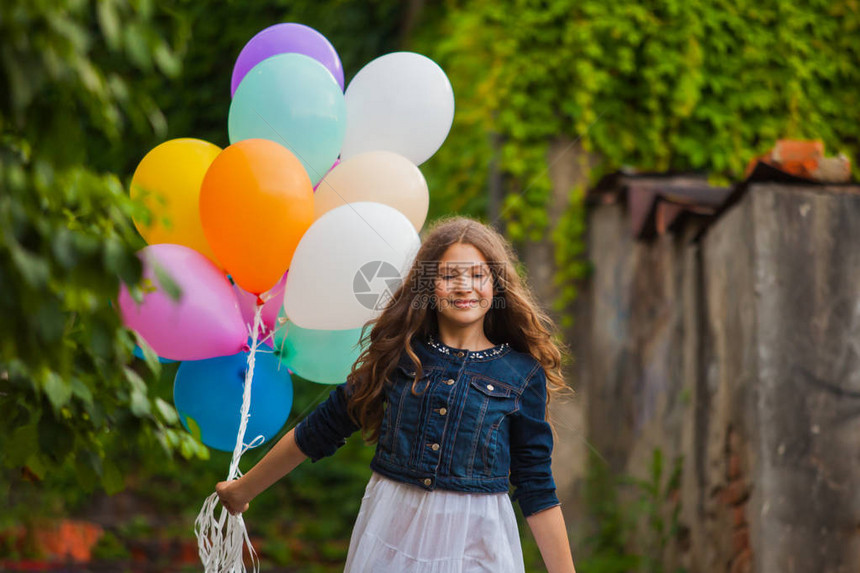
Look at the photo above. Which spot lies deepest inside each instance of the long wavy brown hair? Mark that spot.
(514, 317)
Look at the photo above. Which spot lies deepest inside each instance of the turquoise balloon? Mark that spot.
(293, 100)
(322, 356)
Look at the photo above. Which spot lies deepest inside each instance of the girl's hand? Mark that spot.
(278, 462)
(231, 496)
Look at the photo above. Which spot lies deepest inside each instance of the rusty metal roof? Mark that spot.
(660, 203)
(657, 203)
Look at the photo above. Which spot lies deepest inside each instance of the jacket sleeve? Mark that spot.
(327, 427)
(531, 449)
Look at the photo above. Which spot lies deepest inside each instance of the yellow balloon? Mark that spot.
(167, 181)
(379, 176)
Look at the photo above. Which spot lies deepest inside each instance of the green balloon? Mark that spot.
(322, 356)
(294, 101)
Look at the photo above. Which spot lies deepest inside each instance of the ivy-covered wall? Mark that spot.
(661, 85)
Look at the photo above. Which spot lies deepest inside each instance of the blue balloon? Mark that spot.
(293, 100)
(208, 398)
(138, 352)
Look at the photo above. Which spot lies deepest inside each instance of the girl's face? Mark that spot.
(463, 286)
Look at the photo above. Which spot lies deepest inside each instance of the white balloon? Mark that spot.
(348, 264)
(400, 102)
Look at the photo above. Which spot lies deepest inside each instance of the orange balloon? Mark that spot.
(256, 202)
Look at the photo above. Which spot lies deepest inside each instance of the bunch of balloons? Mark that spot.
(279, 238)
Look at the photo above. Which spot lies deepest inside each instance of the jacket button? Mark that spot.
(443, 411)
(434, 447)
(428, 481)
(490, 387)
(449, 381)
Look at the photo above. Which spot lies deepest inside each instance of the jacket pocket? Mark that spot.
(492, 402)
(491, 387)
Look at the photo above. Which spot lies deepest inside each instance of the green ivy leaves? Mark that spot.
(659, 86)
(68, 400)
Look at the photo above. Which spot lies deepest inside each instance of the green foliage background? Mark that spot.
(92, 86)
(69, 395)
(657, 85)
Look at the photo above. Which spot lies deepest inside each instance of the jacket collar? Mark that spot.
(451, 353)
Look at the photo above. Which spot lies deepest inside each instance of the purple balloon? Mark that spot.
(286, 39)
(204, 322)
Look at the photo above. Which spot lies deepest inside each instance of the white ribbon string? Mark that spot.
(221, 542)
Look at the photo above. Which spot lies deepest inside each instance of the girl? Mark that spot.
(452, 388)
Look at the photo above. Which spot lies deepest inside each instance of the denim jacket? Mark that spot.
(477, 422)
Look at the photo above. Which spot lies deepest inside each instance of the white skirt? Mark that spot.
(402, 528)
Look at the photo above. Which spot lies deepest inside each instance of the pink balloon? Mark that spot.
(204, 322)
(274, 300)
